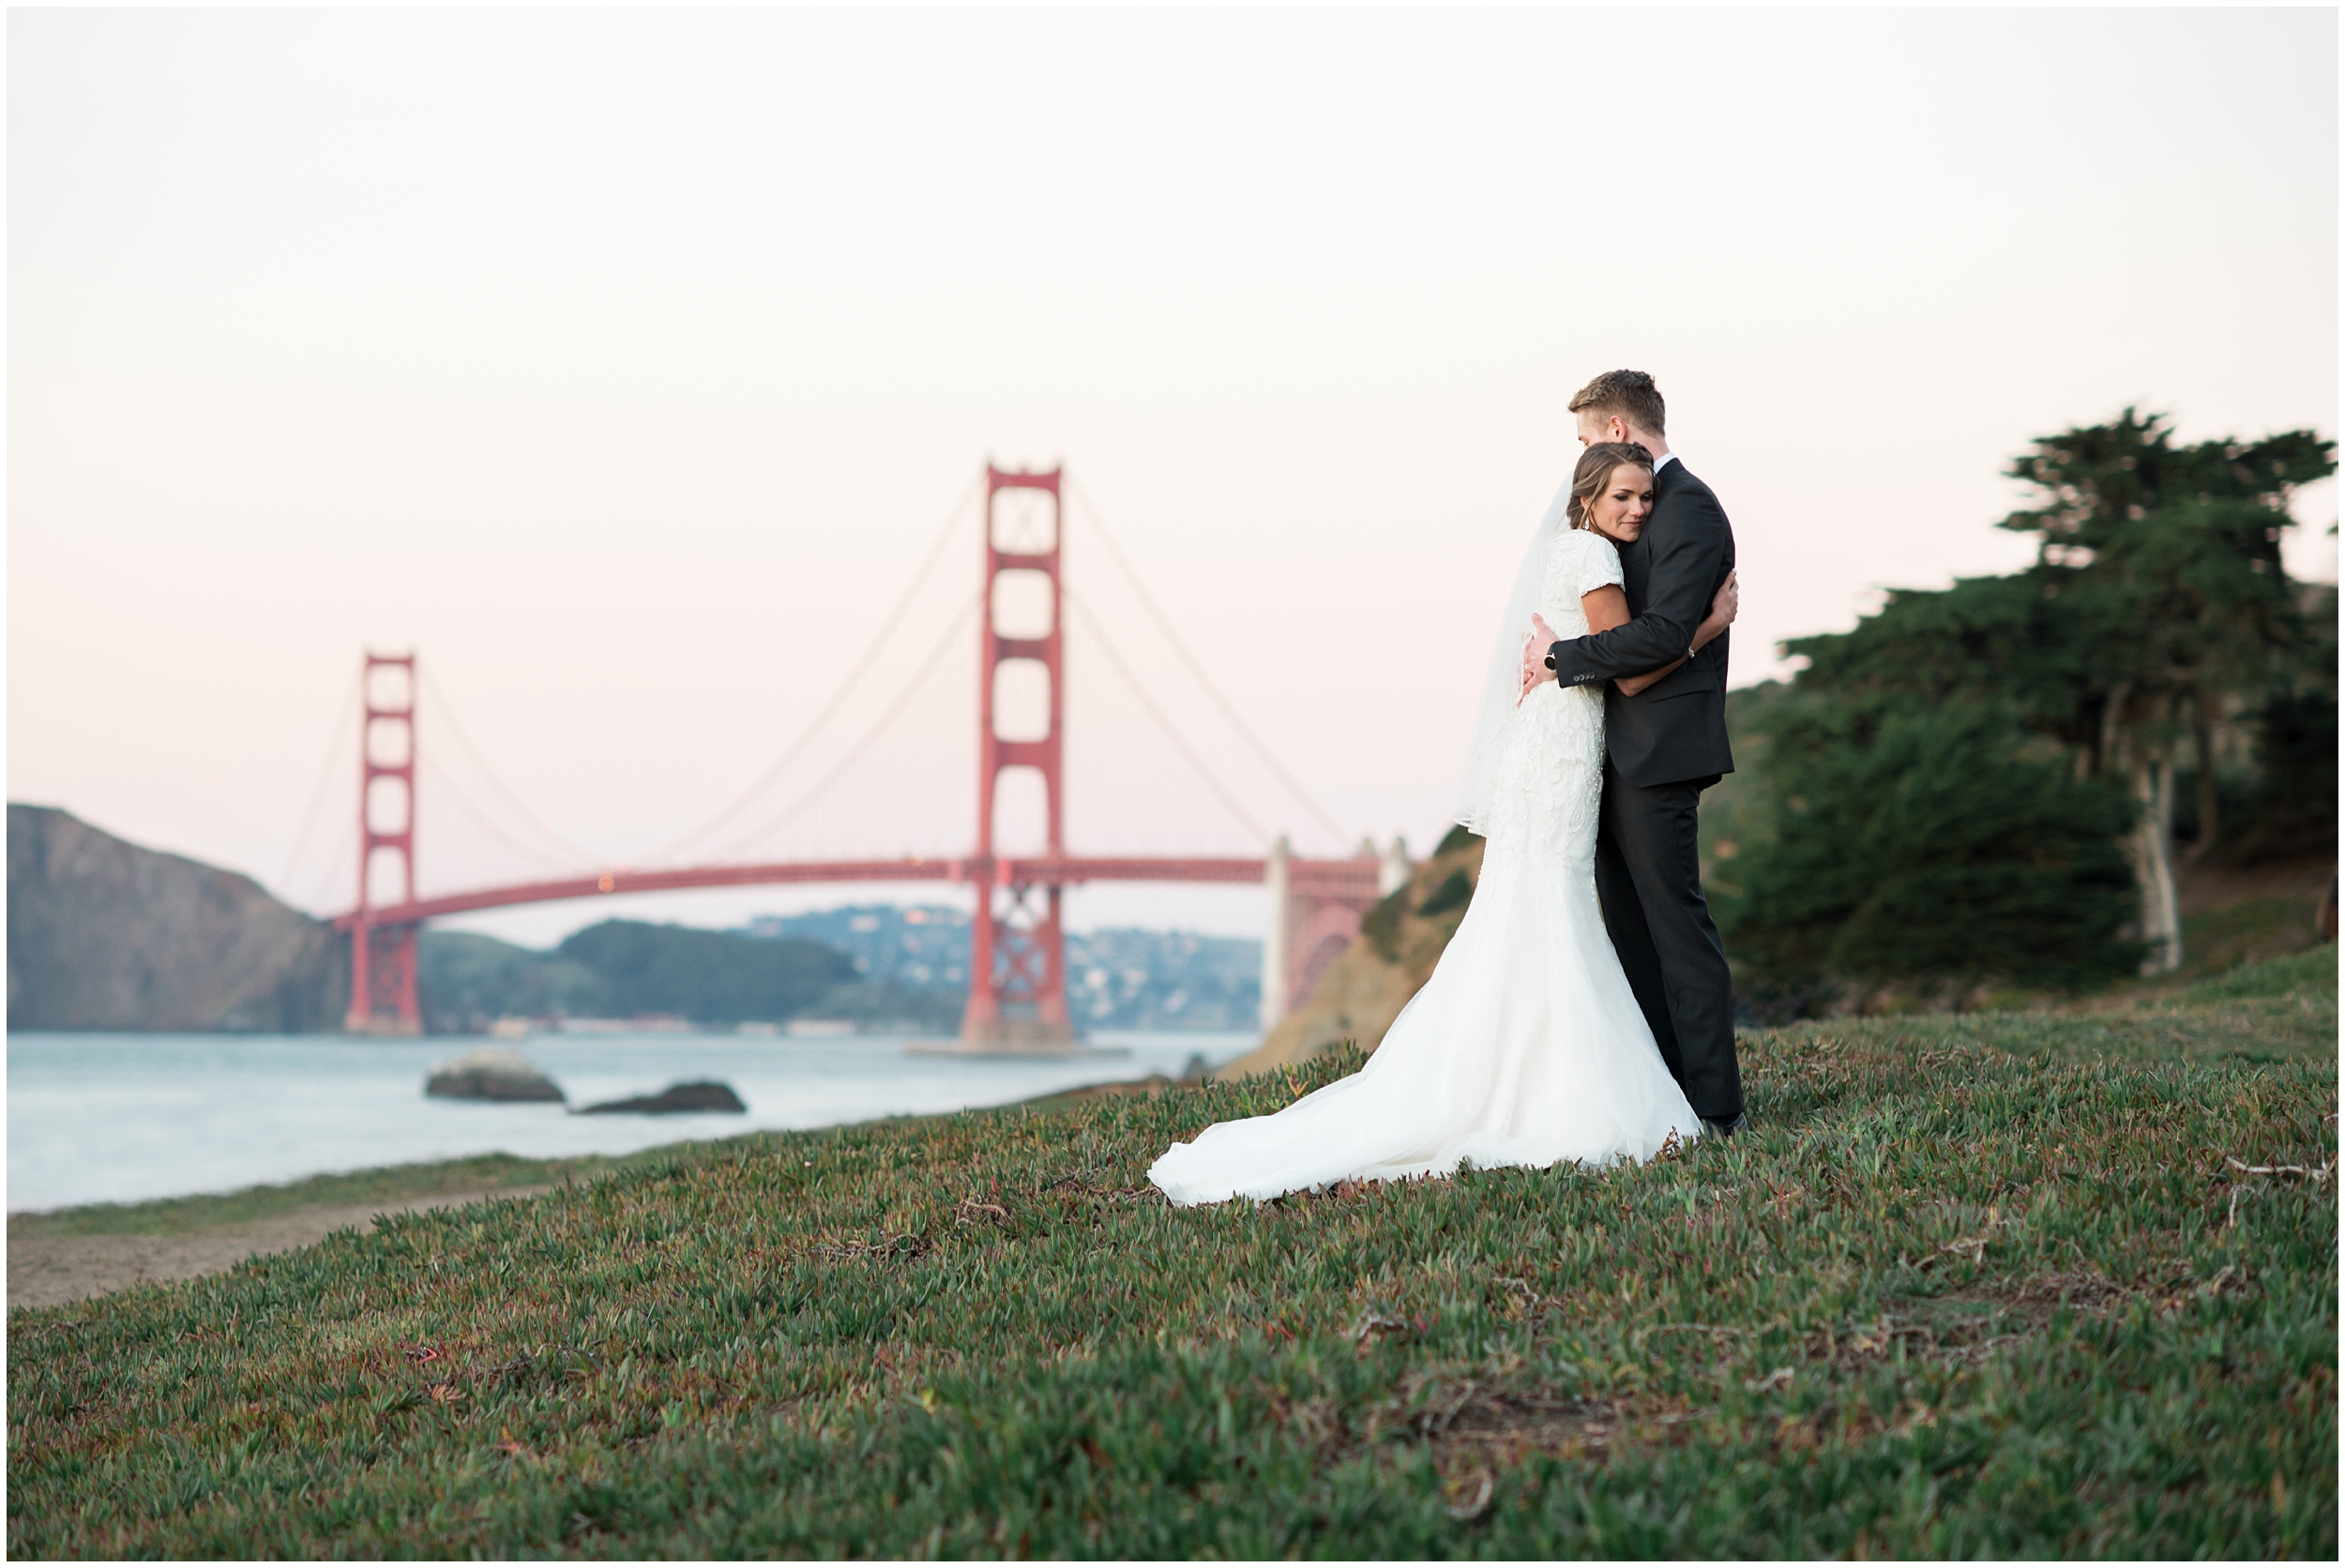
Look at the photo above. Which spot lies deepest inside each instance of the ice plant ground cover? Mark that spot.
(2005, 1284)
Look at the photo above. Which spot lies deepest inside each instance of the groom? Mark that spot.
(1663, 747)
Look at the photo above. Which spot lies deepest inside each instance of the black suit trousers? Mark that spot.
(1648, 876)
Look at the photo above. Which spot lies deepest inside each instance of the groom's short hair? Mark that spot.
(1630, 394)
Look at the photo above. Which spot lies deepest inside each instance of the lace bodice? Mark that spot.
(1552, 750)
(1578, 564)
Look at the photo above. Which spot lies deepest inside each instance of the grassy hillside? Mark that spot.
(1997, 1284)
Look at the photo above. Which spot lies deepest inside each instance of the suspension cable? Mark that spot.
(1148, 702)
(322, 896)
(441, 782)
(1229, 712)
(919, 680)
(326, 777)
(578, 857)
(839, 694)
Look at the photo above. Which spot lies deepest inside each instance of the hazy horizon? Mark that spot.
(624, 364)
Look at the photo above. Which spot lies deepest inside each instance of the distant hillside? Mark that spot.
(924, 947)
(1117, 978)
(466, 981)
(627, 969)
(103, 934)
(1126, 977)
(707, 976)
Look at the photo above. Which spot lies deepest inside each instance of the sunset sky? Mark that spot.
(626, 365)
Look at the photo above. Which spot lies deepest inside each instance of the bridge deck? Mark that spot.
(1353, 878)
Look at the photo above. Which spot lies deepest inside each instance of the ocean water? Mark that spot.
(120, 1117)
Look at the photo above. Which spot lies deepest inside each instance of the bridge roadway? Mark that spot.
(1337, 879)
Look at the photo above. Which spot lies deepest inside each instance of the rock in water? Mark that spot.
(491, 1073)
(676, 1100)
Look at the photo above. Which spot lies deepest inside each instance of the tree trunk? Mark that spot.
(2210, 798)
(2108, 751)
(2151, 849)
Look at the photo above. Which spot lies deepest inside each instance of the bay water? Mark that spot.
(121, 1118)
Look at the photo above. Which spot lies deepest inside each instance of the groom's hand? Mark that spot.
(1534, 666)
(1542, 636)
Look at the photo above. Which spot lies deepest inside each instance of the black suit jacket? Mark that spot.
(1675, 729)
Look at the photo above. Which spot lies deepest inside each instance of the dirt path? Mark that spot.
(51, 1270)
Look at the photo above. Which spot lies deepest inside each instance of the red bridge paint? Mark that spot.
(1017, 947)
(382, 955)
(1017, 972)
(1320, 879)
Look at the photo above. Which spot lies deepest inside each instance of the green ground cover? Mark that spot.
(172, 1216)
(1985, 1284)
(2221, 939)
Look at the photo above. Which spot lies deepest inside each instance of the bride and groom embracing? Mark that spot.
(1583, 1010)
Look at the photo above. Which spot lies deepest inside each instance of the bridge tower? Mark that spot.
(1316, 908)
(1016, 949)
(382, 996)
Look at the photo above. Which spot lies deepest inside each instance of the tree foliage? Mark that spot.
(1928, 841)
(2292, 802)
(708, 976)
(1950, 779)
(2157, 580)
(468, 979)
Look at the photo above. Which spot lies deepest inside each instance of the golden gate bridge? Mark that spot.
(1018, 996)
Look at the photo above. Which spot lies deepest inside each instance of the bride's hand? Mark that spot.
(1730, 600)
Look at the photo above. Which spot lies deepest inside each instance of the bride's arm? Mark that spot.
(1608, 607)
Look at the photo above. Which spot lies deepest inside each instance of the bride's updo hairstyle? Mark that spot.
(1595, 474)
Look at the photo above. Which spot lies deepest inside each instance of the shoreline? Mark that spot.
(205, 1231)
(110, 1119)
(58, 1257)
(60, 1269)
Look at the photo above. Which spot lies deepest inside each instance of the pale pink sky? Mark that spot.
(622, 364)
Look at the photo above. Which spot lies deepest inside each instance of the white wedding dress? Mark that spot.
(1526, 1047)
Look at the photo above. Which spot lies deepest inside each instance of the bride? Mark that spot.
(1526, 1046)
